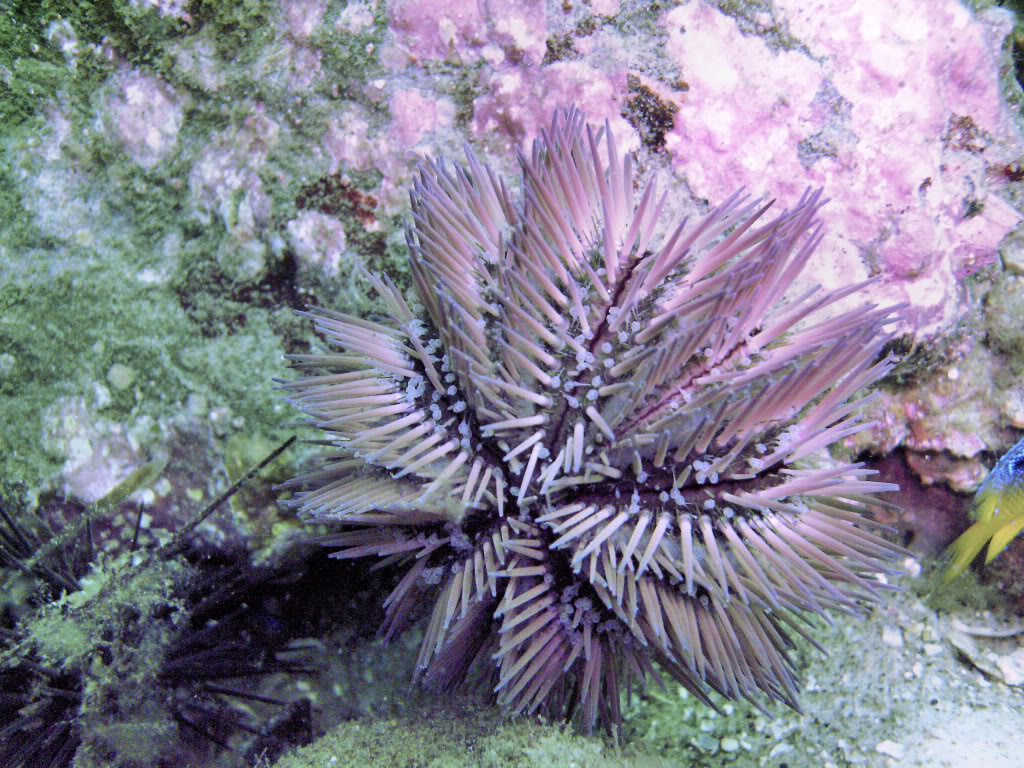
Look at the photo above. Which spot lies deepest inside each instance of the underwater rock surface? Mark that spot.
(178, 177)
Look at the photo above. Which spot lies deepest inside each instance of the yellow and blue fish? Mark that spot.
(998, 512)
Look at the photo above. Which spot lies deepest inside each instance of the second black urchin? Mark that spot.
(130, 660)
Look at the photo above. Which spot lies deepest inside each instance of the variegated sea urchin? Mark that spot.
(584, 452)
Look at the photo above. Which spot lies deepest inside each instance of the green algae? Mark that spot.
(1004, 308)
(105, 265)
(65, 333)
(111, 635)
(240, 28)
(455, 732)
(349, 58)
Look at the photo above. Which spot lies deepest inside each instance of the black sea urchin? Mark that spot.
(584, 453)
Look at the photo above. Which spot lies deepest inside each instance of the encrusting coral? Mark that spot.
(586, 451)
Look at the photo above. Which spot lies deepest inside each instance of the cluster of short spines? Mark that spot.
(582, 447)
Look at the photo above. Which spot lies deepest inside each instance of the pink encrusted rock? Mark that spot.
(893, 107)
(351, 144)
(518, 104)
(355, 17)
(97, 454)
(604, 7)
(896, 112)
(225, 180)
(500, 29)
(950, 420)
(416, 114)
(301, 62)
(318, 241)
(303, 17)
(147, 115)
(518, 94)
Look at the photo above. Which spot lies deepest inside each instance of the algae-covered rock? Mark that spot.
(1004, 318)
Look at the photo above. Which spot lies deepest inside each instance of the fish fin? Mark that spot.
(1002, 538)
(969, 544)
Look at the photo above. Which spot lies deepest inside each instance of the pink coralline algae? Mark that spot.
(518, 92)
(893, 107)
(225, 181)
(97, 454)
(351, 144)
(518, 103)
(318, 240)
(440, 28)
(147, 115)
(896, 111)
(303, 17)
(416, 113)
(300, 61)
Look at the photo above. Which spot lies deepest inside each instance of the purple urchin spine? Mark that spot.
(592, 448)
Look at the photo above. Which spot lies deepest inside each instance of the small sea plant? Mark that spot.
(590, 450)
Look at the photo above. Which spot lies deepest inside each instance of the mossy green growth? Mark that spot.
(1004, 308)
(671, 721)
(61, 336)
(964, 594)
(349, 59)
(846, 697)
(19, 229)
(37, 39)
(30, 79)
(239, 28)
(111, 635)
(455, 732)
(255, 504)
(34, 70)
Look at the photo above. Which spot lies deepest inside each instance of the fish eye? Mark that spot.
(1017, 464)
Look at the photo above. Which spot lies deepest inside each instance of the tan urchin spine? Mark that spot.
(584, 446)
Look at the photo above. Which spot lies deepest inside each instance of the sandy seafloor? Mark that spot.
(893, 692)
